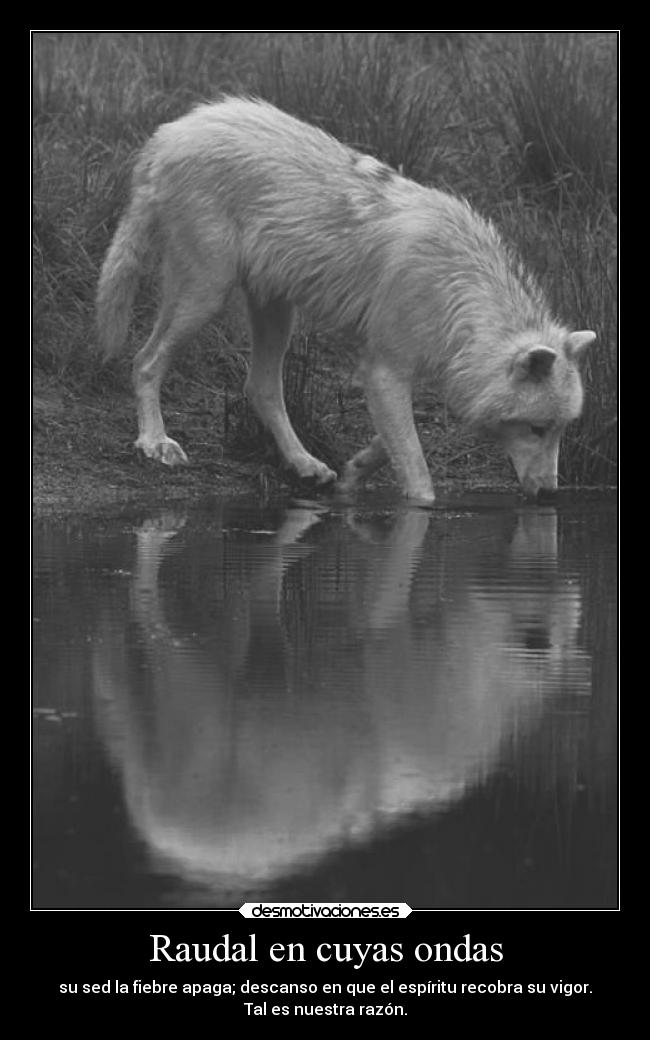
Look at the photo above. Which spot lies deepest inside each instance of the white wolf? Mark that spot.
(238, 192)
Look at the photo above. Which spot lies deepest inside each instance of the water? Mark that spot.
(304, 702)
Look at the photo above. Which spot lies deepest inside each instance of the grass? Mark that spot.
(523, 124)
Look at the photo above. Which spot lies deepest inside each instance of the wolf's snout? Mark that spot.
(547, 494)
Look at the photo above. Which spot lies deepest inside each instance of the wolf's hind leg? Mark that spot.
(149, 368)
(271, 331)
(185, 309)
(389, 398)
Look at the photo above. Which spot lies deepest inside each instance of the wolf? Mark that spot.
(238, 192)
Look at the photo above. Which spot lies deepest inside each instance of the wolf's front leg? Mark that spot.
(389, 401)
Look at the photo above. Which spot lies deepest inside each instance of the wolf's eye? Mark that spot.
(538, 431)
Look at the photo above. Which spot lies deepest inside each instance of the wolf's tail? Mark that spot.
(121, 271)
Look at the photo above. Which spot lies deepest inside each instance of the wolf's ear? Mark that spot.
(577, 342)
(534, 363)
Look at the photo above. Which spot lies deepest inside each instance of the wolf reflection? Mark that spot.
(336, 676)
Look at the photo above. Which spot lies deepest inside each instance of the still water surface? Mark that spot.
(303, 702)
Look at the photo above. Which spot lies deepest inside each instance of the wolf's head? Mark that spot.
(544, 394)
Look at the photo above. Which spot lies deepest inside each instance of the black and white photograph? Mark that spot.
(324, 470)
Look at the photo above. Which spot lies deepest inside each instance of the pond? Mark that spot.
(329, 703)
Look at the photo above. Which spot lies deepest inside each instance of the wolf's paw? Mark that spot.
(313, 470)
(351, 479)
(165, 450)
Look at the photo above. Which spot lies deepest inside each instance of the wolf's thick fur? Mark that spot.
(238, 192)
